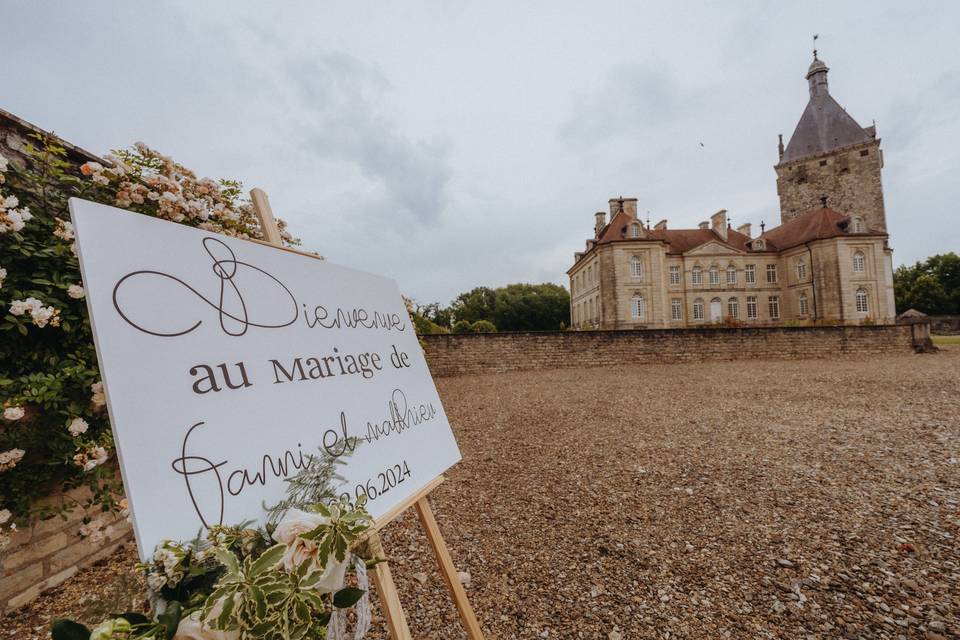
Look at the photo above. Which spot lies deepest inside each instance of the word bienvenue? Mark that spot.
(237, 311)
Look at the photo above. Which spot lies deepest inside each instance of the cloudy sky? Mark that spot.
(456, 144)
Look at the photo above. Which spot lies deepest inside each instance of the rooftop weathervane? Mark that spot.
(815, 36)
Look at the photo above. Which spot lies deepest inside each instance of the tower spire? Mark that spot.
(817, 74)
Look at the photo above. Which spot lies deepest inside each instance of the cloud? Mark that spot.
(343, 120)
(629, 97)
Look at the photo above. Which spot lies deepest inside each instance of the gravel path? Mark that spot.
(759, 499)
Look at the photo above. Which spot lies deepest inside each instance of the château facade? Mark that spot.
(828, 261)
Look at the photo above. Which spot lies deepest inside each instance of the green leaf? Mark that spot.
(69, 630)
(224, 618)
(347, 597)
(259, 600)
(313, 599)
(267, 560)
(228, 560)
(170, 619)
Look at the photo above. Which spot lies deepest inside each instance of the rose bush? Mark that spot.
(54, 429)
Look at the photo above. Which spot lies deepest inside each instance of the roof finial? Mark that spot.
(763, 227)
(815, 36)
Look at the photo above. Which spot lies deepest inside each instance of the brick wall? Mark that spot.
(451, 354)
(52, 551)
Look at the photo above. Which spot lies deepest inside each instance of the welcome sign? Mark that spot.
(228, 365)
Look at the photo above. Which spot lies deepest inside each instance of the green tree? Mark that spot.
(531, 307)
(483, 326)
(477, 304)
(462, 326)
(932, 286)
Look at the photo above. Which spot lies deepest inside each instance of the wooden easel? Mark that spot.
(389, 598)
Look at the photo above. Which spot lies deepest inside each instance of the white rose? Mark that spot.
(333, 576)
(13, 413)
(19, 307)
(75, 291)
(294, 523)
(191, 628)
(77, 426)
(4, 516)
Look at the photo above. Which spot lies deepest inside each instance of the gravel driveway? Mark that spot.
(810, 499)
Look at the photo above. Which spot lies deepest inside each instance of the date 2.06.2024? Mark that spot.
(379, 485)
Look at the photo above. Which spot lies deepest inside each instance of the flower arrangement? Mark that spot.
(286, 581)
(54, 428)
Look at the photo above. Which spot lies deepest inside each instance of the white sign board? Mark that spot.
(228, 363)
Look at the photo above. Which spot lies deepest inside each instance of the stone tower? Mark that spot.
(831, 159)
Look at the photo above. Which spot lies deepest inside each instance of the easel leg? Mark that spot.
(389, 599)
(450, 575)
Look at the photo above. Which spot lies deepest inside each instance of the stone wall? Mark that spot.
(53, 550)
(939, 325)
(850, 179)
(454, 354)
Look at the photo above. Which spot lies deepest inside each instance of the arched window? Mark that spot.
(733, 308)
(801, 270)
(714, 275)
(758, 244)
(803, 304)
(696, 275)
(858, 226)
(731, 275)
(636, 268)
(638, 308)
(858, 262)
(863, 301)
(698, 309)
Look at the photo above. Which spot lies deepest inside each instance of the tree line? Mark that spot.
(932, 286)
(515, 307)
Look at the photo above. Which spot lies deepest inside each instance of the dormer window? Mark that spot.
(635, 231)
(759, 244)
(858, 226)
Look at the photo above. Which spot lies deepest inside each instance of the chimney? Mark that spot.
(704, 225)
(601, 222)
(744, 229)
(630, 207)
(661, 225)
(718, 222)
(616, 204)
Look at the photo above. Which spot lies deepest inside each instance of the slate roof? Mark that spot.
(680, 240)
(815, 225)
(824, 125)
